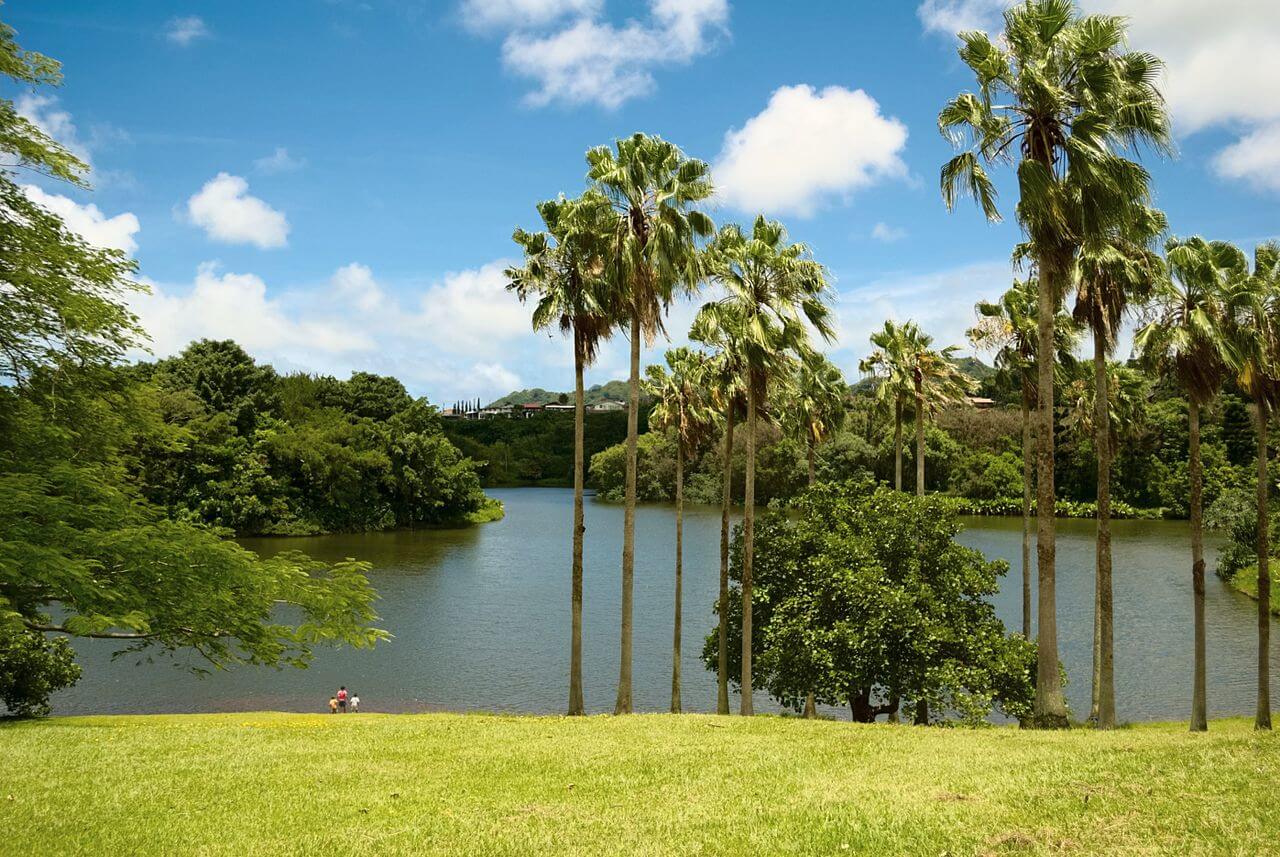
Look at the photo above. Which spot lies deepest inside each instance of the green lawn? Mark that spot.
(648, 784)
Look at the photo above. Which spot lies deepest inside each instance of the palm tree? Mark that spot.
(725, 388)
(817, 403)
(652, 187)
(1256, 357)
(771, 289)
(889, 364)
(680, 406)
(1008, 327)
(1110, 274)
(562, 273)
(1059, 93)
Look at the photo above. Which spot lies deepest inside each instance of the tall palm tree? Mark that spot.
(894, 382)
(1008, 327)
(681, 406)
(1112, 273)
(771, 289)
(1256, 347)
(562, 272)
(652, 188)
(818, 400)
(725, 386)
(1060, 94)
(1187, 340)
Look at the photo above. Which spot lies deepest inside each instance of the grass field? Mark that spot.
(649, 784)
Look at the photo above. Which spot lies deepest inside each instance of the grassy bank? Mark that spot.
(474, 784)
(1246, 580)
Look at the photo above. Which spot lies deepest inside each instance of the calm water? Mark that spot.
(480, 619)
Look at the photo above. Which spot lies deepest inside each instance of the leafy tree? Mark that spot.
(1059, 93)
(1188, 340)
(652, 187)
(563, 271)
(772, 288)
(894, 382)
(681, 408)
(33, 668)
(866, 599)
(816, 405)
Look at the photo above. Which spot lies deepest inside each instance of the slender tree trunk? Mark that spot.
(810, 704)
(675, 650)
(623, 705)
(897, 444)
(722, 656)
(748, 547)
(1104, 656)
(579, 530)
(1050, 706)
(919, 439)
(1262, 720)
(1199, 714)
(812, 465)
(1028, 481)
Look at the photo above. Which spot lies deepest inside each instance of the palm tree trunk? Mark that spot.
(579, 530)
(748, 547)
(1199, 715)
(623, 705)
(1027, 482)
(1050, 710)
(675, 645)
(919, 440)
(810, 704)
(812, 468)
(1104, 656)
(722, 657)
(1262, 719)
(897, 444)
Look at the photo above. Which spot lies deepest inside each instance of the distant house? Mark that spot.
(980, 403)
(556, 407)
(608, 405)
(451, 414)
(528, 409)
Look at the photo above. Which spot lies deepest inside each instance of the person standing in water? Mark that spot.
(355, 702)
(333, 705)
(342, 699)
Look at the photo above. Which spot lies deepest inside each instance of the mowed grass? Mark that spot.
(646, 784)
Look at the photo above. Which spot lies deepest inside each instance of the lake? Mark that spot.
(480, 619)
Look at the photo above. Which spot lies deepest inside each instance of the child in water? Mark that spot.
(355, 702)
(333, 705)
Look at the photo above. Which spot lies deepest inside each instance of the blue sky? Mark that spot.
(334, 182)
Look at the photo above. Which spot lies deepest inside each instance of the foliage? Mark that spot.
(864, 598)
(1009, 506)
(33, 668)
(655, 469)
(537, 450)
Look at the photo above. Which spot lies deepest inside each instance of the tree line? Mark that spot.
(1063, 101)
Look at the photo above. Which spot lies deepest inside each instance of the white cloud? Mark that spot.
(806, 147)
(595, 61)
(1255, 157)
(185, 30)
(88, 220)
(1222, 65)
(886, 233)
(473, 310)
(495, 376)
(355, 284)
(228, 213)
(488, 15)
(44, 112)
(279, 161)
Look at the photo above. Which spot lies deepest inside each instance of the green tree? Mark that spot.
(866, 598)
(1060, 94)
(1110, 275)
(894, 384)
(1187, 340)
(681, 408)
(817, 404)
(771, 289)
(652, 187)
(32, 668)
(563, 271)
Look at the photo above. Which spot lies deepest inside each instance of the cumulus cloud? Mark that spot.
(489, 15)
(886, 233)
(279, 161)
(45, 113)
(1223, 66)
(116, 233)
(806, 147)
(227, 212)
(185, 30)
(472, 309)
(589, 60)
(355, 284)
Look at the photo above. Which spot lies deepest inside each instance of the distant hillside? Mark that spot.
(615, 391)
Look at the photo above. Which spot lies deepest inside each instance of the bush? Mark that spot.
(32, 668)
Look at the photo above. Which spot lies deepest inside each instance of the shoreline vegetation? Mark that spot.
(500, 784)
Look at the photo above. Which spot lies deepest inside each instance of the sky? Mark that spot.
(334, 183)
